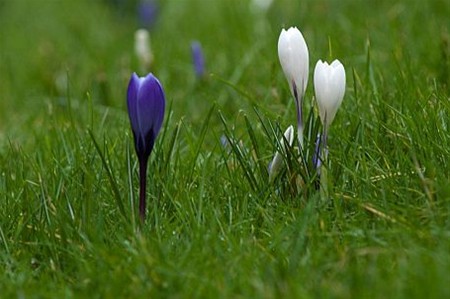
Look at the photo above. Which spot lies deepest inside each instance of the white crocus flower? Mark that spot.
(329, 86)
(143, 49)
(277, 162)
(294, 59)
(261, 5)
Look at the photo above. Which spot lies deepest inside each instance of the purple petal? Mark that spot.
(151, 104)
(133, 88)
(150, 108)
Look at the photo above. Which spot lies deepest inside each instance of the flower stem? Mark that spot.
(324, 166)
(142, 188)
(298, 104)
(317, 160)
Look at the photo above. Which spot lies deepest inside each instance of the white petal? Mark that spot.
(289, 136)
(277, 162)
(336, 63)
(275, 166)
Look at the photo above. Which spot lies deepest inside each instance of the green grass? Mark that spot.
(215, 227)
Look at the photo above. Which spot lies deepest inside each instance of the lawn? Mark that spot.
(216, 227)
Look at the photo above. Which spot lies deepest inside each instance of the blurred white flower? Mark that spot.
(61, 81)
(329, 87)
(294, 59)
(261, 5)
(277, 162)
(143, 49)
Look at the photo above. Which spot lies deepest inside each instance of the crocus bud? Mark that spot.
(277, 162)
(294, 59)
(143, 49)
(329, 86)
(198, 59)
(146, 104)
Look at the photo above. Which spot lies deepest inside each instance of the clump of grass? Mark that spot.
(216, 228)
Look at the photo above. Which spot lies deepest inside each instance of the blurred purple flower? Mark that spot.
(224, 141)
(198, 59)
(316, 160)
(316, 156)
(146, 105)
(147, 12)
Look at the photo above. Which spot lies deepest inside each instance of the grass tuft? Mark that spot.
(216, 227)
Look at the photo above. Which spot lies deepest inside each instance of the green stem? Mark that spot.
(324, 167)
(298, 104)
(142, 188)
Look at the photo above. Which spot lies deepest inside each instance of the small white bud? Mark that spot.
(277, 162)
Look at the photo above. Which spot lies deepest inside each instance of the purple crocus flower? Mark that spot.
(147, 12)
(198, 59)
(146, 104)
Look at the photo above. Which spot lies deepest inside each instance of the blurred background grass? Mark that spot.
(64, 69)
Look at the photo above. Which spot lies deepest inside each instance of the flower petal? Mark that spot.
(133, 88)
(151, 105)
